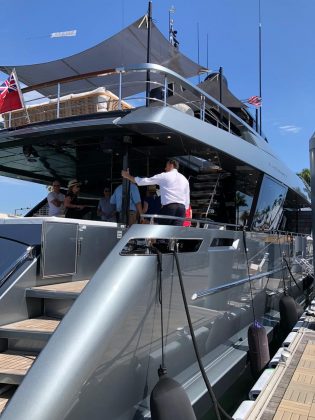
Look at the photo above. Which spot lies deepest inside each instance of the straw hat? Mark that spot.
(73, 182)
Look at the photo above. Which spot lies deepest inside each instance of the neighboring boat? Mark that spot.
(80, 300)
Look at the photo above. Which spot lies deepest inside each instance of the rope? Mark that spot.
(285, 288)
(217, 407)
(162, 369)
(248, 274)
(288, 267)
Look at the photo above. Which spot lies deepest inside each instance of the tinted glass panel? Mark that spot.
(10, 251)
(270, 205)
(243, 205)
(60, 241)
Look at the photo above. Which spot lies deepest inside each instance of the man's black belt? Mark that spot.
(171, 204)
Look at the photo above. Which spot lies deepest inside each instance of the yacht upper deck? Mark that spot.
(155, 86)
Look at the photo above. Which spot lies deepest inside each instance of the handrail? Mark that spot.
(161, 69)
(222, 225)
(186, 219)
(15, 240)
(208, 292)
(68, 79)
(28, 254)
(155, 68)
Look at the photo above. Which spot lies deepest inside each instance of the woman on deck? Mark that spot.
(73, 210)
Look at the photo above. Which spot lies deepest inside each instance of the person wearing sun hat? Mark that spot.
(73, 210)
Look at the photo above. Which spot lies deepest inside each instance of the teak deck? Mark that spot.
(43, 324)
(14, 363)
(298, 402)
(290, 394)
(69, 287)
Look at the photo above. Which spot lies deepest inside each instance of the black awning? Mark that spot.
(126, 48)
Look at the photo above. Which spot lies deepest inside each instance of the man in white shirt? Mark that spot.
(174, 188)
(55, 200)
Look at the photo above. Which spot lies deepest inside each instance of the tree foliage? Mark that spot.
(305, 174)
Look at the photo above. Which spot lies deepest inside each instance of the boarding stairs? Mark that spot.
(22, 341)
(205, 184)
(204, 192)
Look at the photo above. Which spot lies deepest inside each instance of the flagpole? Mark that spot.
(207, 51)
(257, 119)
(221, 91)
(18, 87)
(21, 95)
(260, 76)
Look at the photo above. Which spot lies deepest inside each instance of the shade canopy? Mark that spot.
(126, 48)
(211, 85)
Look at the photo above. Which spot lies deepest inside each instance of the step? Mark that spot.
(6, 393)
(207, 184)
(213, 175)
(206, 177)
(201, 193)
(40, 328)
(200, 201)
(69, 290)
(201, 208)
(14, 366)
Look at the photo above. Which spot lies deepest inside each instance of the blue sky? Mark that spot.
(288, 57)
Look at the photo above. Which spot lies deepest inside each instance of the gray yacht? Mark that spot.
(89, 308)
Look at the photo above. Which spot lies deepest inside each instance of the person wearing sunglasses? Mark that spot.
(105, 209)
(55, 200)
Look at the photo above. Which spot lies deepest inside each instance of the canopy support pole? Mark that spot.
(148, 53)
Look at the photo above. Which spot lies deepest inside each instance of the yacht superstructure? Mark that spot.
(81, 326)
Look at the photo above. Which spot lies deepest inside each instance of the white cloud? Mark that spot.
(290, 129)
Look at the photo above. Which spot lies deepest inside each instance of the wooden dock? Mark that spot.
(290, 393)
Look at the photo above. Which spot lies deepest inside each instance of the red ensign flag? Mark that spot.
(10, 94)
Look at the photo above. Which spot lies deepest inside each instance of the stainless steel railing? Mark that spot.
(202, 105)
(27, 255)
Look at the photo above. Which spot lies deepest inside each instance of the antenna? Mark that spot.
(260, 89)
(172, 34)
(198, 60)
(207, 51)
(171, 24)
(148, 52)
(149, 31)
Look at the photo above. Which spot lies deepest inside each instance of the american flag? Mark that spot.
(254, 100)
(10, 95)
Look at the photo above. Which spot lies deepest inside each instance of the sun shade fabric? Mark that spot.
(212, 87)
(126, 48)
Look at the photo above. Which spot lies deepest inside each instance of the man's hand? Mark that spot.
(125, 174)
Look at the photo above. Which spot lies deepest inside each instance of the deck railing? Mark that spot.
(122, 89)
